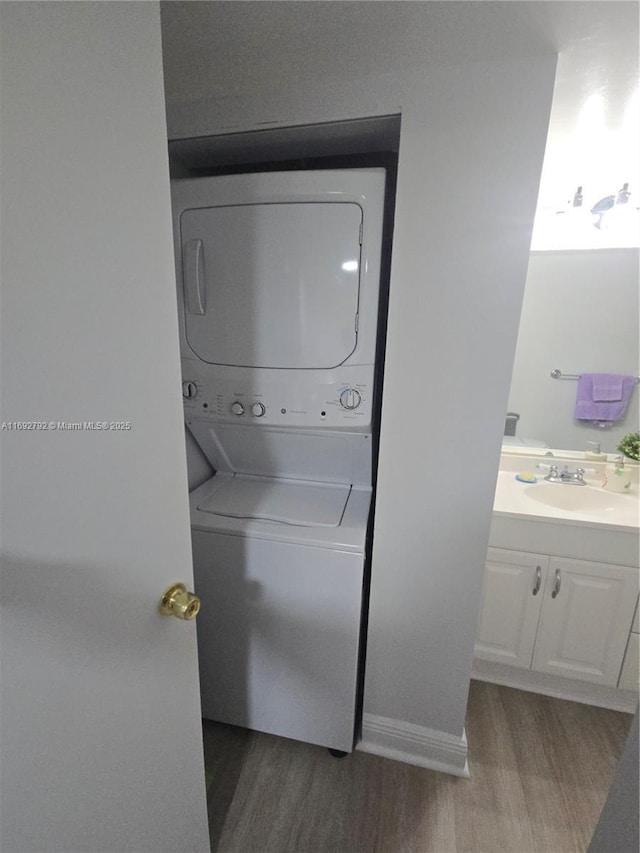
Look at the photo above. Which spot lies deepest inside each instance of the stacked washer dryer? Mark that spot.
(278, 277)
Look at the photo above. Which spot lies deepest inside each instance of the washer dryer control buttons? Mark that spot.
(189, 390)
(350, 399)
(258, 410)
(237, 408)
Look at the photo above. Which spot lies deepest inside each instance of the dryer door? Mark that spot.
(272, 285)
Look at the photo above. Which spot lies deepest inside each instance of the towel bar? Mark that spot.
(558, 374)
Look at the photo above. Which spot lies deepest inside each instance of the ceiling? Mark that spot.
(220, 49)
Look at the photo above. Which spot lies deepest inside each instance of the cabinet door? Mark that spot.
(584, 627)
(513, 589)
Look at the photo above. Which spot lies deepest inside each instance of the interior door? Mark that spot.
(100, 727)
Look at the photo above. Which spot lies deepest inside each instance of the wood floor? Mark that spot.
(540, 772)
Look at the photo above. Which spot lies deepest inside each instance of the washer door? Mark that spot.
(272, 285)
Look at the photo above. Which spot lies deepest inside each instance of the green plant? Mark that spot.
(630, 445)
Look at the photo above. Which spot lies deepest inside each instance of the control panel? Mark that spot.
(301, 401)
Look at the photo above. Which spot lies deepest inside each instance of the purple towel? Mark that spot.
(607, 387)
(603, 396)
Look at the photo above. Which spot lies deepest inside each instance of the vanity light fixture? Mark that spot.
(623, 194)
(605, 204)
(584, 222)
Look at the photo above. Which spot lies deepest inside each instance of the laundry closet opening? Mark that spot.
(283, 249)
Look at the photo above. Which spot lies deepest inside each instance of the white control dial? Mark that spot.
(350, 398)
(189, 389)
(258, 410)
(237, 408)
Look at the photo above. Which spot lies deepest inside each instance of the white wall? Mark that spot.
(471, 149)
(456, 283)
(580, 314)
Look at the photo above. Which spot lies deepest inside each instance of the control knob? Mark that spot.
(237, 408)
(258, 410)
(350, 399)
(189, 389)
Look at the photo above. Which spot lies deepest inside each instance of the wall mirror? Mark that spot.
(580, 310)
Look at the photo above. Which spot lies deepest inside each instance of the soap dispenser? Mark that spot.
(616, 477)
(595, 453)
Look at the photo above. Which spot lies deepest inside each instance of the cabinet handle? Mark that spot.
(536, 588)
(556, 586)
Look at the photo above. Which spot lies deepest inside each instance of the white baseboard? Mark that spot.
(555, 686)
(413, 744)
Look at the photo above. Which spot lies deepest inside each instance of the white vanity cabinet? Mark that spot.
(556, 615)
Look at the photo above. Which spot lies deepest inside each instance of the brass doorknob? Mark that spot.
(179, 602)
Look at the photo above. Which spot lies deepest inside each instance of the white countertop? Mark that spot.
(611, 511)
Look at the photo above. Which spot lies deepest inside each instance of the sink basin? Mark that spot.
(589, 505)
(577, 498)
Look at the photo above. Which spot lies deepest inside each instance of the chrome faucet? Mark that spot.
(570, 478)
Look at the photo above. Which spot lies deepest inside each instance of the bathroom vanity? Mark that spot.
(559, 603)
